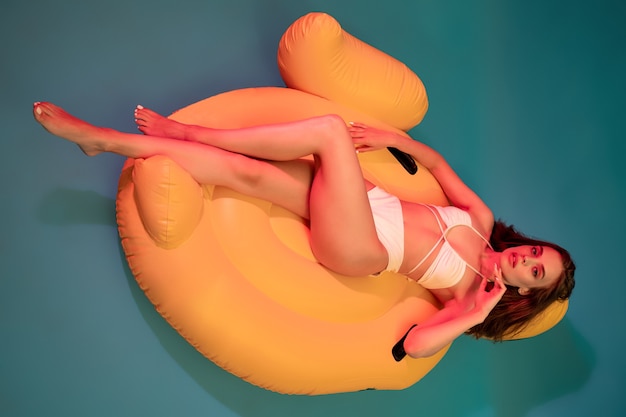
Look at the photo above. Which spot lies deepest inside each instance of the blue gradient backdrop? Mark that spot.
(527, 102)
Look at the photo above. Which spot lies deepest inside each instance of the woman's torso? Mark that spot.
(423, 233)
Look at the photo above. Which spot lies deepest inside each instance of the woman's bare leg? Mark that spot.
(341, 218)
(343, 236)
(286, 184)
(276, 142)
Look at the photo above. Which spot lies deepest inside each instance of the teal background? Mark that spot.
(527, 103)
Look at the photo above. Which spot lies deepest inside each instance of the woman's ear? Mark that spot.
(523, 291)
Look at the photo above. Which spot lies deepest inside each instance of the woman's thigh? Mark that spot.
(343, 233)
(287, 184)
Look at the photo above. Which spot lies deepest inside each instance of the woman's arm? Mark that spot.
(428, 338)
(432, 335)
(460, 195)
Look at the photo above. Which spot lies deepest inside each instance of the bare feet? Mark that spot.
(60, 123)
(153, 124)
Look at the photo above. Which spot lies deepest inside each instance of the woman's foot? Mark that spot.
(60, 123)
(153, 124)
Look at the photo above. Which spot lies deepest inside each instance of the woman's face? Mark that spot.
(528, 267)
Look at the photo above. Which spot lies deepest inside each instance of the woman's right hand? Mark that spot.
(486, 300)
(368, 138)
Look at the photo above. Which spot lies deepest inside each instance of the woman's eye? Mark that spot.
(535, 272)
(534, 251)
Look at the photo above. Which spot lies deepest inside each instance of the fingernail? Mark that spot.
(139, 106)
(38, 110)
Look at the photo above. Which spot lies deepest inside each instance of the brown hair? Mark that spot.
(514, 310)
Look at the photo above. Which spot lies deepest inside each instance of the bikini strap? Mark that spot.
(436, 243)
(444, 237)
(484, 239)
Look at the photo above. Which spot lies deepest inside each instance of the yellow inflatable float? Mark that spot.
(235, 276)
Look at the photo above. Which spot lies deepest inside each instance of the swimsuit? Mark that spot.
(388, 219)
(448, 267)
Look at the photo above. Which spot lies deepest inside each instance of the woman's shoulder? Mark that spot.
(482, 220)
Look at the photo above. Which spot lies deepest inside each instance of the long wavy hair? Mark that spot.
(514, 310)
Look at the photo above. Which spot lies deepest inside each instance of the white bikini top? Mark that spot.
(448, 267)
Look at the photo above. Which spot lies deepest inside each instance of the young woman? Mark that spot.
(490, 279)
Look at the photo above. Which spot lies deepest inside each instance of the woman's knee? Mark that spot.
(333, 129)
